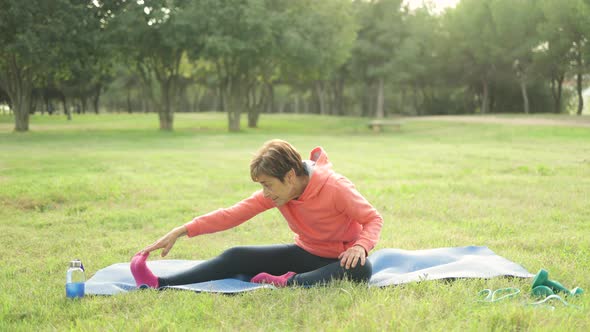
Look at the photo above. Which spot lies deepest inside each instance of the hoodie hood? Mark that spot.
(322, 170)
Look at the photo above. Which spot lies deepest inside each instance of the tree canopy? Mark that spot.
(373, 58)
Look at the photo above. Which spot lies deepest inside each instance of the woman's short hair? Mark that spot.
(275, 158)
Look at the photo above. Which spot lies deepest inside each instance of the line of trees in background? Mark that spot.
(335, 57)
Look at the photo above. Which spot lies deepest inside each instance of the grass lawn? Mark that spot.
(100, 188)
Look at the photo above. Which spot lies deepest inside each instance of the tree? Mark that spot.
(566, 28)
(474, 39)
(380, 35)
(239, 37)
(322, 44)
(29, 51)
(516, 28)
(550, 59)
(153, 36)
(418, 57)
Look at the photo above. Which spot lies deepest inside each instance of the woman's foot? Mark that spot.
(278, 281)
(141, 273)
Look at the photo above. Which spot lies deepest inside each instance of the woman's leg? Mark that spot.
(248, 260)
(333, 271)
(312, 270)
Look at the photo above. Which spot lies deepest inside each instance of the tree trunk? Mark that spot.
(18, 84)
(196, 105)
(67, 111)
(403, 98)
(64, 104)
(233, 120)
(579, 64)
(216, 102)
(367, 99)
(492, 100)
(21, 111)
(233, 102)
(166, 111)
(557, 91)
(379, 113)
(84, 104)
(296, 104)
(580, 94)
(425, 105)
(34, 102)
(129, 108)
(485, 100)
(417, 107)
(319, 89)
(255, 104)
(329, 99)
(338, 97)
(233, 112)
(525, 96)
(221, 101)
(46, 101)
(145, 98)
(271, 98)
(96, 97)
(166, 119)
(253, 116)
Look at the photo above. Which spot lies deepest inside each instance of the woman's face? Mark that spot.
(279, 192)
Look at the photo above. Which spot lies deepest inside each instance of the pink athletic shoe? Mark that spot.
(278, 281)
(141, 273)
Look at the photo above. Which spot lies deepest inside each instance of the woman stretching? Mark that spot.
(334, 225)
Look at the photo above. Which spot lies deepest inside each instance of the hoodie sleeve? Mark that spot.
(348, 200)
(222, 219)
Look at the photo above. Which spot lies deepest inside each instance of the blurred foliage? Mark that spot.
(370, 58)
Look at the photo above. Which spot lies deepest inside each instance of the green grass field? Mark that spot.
(100, 188)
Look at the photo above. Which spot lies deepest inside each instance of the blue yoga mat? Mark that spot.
(390, 267)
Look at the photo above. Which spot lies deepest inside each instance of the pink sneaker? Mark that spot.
(278, 281)
(141, 273)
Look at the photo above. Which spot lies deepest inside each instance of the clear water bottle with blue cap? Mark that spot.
(75, 279)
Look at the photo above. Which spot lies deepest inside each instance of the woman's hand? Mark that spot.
(166, 242)
(351, 257)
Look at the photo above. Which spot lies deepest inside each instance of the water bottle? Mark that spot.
(75, 279)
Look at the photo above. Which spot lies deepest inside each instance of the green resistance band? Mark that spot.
(487, 295)
(542, 287)
(545, 302)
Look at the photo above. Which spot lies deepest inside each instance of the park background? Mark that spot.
(334, 57)
(120, 120)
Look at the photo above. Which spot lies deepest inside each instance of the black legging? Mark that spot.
(273, 259)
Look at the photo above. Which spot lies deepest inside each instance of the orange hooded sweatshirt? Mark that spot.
(328, 218)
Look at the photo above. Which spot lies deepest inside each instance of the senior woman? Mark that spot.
(335, 227)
